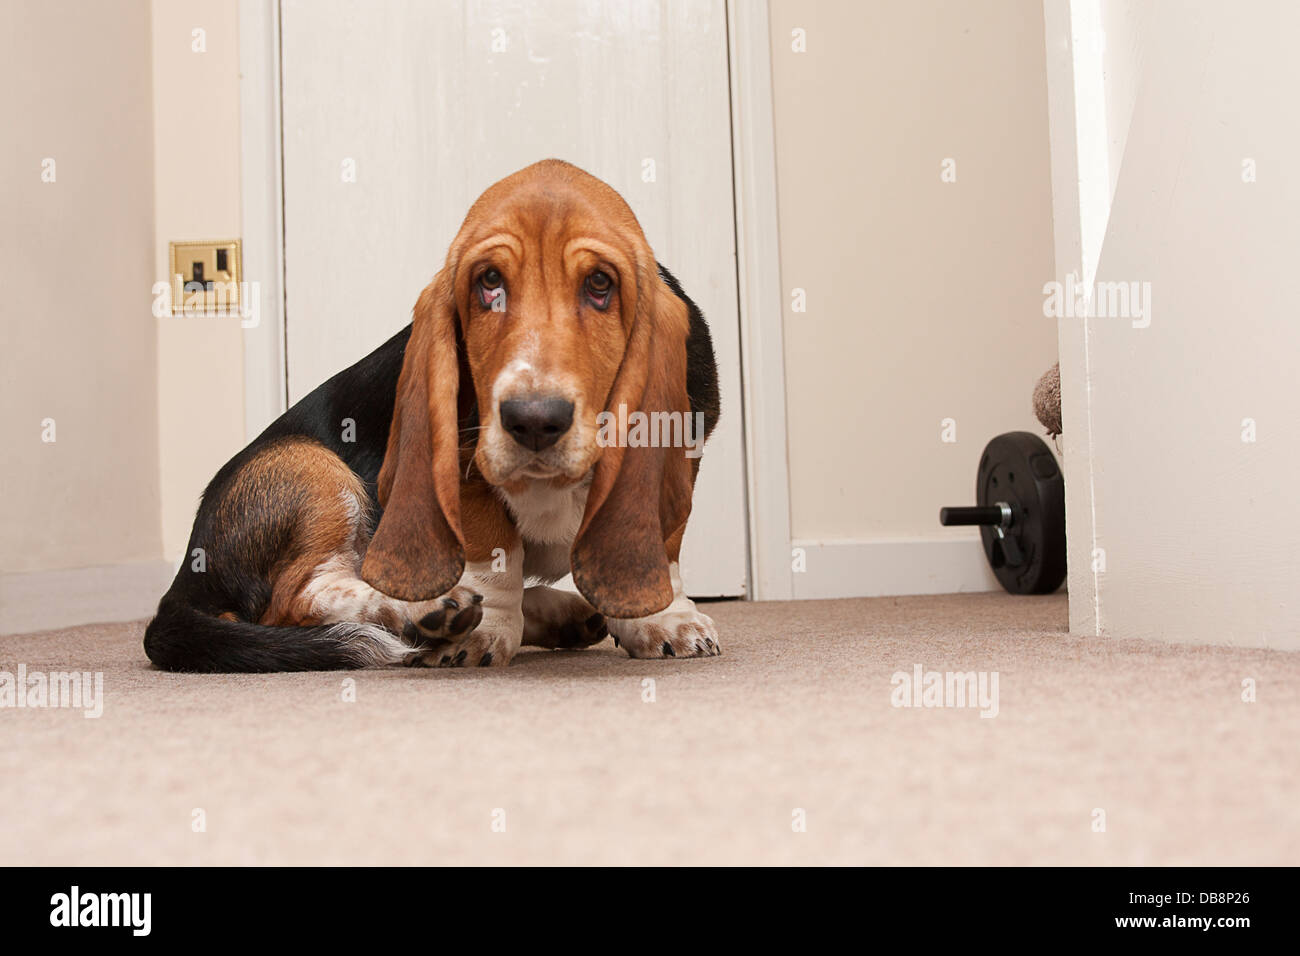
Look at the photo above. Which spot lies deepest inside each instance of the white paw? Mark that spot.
(492, 644)
(674, 632)
(449, 617)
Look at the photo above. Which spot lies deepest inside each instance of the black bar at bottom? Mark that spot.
(1006, 904)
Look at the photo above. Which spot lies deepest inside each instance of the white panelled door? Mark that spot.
(398, 114)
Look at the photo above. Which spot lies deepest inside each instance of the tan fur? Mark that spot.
(311, 496)
(321, 526)
(487, 526)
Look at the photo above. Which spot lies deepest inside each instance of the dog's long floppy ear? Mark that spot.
(640, 496)
(418, 551)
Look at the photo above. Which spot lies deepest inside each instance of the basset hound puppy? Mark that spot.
(415, 507)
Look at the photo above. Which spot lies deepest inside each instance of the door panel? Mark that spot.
(396, 116)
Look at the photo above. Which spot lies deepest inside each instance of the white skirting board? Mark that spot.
(881, 567)
(45, 600)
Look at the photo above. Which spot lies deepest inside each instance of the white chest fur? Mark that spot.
(545, 514)
(547, 518)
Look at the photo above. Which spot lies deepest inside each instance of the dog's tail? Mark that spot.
(183, 638)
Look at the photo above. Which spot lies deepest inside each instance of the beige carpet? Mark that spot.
(560, 746)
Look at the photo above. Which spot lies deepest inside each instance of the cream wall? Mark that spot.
(145, 135)
(924, 298)
(1195, 521)
(197, 196)
(76, 267)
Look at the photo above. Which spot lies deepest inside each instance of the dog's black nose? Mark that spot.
(536, 423)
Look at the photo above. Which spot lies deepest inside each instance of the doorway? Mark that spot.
(396, 115)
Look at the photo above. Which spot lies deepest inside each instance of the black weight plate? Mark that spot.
(1019, 468)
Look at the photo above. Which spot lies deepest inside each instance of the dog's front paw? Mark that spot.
(673, 632)
(448, 618)
(492, 643)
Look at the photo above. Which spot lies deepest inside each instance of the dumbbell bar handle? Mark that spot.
(975, 514)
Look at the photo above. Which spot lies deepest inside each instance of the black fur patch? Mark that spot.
(701, 365)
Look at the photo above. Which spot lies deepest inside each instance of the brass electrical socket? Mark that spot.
(205, 276)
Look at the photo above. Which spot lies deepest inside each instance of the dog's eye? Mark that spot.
(599, 286)
(491, 289)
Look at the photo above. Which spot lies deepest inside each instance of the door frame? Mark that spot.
(758, 265)
(266, 394)
(1077, 167)
(758, 277)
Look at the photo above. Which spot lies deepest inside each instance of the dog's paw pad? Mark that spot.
(448, 618)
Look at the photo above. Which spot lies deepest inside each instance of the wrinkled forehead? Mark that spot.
(546, 210)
